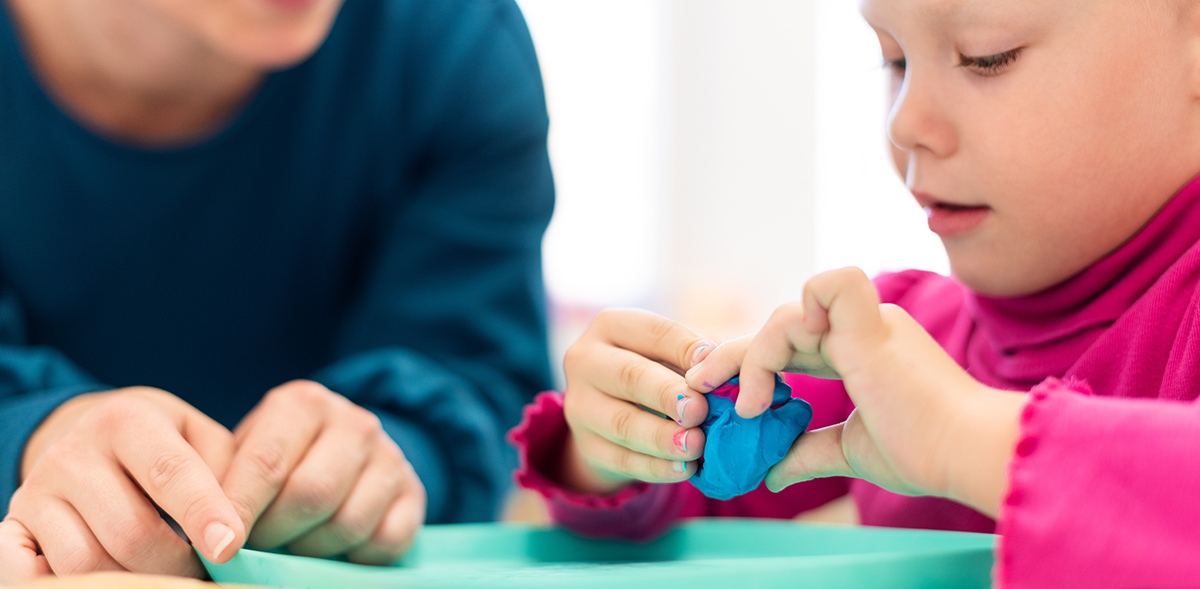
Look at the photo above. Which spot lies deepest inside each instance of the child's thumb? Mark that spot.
(816, 454)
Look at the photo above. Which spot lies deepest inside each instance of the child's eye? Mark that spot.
(896, 66)
(990, 65)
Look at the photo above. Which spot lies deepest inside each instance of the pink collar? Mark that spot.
(1050, 328)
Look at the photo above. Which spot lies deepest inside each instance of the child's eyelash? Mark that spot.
(990, 65)
(895, 65)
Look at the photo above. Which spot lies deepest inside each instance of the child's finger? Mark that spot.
(629, 426)
(722, 364)
(772, 350)
(842, 300)
(621, 462)
(19, 556)
(633, 378)
(652, 336)
(816, 454)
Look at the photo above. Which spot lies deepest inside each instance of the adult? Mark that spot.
(205, 200)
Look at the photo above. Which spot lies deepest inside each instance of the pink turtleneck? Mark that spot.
(1105, 482)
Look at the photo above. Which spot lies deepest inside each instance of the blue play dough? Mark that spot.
(738, 452)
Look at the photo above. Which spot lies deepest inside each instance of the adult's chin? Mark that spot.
(273, 52)
(285, 33)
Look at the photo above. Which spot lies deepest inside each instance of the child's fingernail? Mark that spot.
(217, 536)
(678, 466)
(700, 352)
(681, 405)
(681, 439)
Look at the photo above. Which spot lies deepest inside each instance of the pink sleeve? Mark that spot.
(1104, 492)
(641, 511)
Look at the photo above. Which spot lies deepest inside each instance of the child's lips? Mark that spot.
(947, 219)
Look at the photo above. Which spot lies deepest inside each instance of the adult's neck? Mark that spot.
(130, 73)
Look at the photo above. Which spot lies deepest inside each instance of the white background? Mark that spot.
(711, 155)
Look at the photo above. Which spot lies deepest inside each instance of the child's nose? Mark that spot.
(918, 121)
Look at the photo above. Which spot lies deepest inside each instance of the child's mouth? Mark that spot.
(947, 219)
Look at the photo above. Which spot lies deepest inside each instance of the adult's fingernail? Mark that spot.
(217, 536)
(681, 439)
(700, 352)
(678, 466)
(681, 405)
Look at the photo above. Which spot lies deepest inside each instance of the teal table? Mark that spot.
(716, 553)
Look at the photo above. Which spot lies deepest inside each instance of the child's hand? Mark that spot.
(91, 471)
(920, 421)
(318, 473)
(625, 359)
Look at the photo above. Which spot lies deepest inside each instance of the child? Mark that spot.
(1055, 147)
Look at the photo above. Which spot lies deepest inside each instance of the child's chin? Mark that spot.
(996, 280)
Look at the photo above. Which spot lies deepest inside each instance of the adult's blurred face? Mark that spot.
(266, 34)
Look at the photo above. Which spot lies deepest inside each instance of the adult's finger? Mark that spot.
(170, 471)
(319, 484)
(628, 425)
(395, 534)
(816, 454)
(127, 525)
(651, 336)
(212, 442)
(20, 559)
(285, 425)
(359, 516)
(65, 539)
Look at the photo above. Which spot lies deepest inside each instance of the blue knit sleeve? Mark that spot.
(446, 338)
(34, 381)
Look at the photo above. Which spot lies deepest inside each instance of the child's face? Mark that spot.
(1040, 135)
(265, 34)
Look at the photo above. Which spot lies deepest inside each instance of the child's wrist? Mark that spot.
(977, 449)
(574, 473)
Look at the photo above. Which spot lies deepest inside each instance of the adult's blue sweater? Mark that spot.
(372, 219)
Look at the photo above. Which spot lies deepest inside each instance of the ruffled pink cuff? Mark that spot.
(1032, 427)
(640, 511)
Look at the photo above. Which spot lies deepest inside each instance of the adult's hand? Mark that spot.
(628, 360)
(92, 475)
(318, 473)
